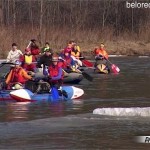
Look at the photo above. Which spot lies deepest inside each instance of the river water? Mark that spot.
(72, 124)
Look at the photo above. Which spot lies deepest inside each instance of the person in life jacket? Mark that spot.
(67, 62)
(14, 54)
(34, 48)
(47, 46)
(100, 51)
(17, 75)
(76, 52)
(28, 61)
(101, 57)
(68, 48)
(55, 71)
(56, 76)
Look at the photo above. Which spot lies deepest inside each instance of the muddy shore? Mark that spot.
(127, 48)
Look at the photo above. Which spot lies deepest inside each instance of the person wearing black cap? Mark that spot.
(45, 60)
(14, 54)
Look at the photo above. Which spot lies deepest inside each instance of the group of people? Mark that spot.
(54, 65)
(24, 65)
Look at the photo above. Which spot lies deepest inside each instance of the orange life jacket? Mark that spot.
(16, 77)
(101, 52)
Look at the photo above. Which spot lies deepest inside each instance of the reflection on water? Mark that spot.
(17, 111)
(23, 111)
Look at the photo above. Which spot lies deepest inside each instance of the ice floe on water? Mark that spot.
(132, 111)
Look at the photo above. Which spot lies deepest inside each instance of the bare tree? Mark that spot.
(41, 22)
(14, 18)
(31, 14)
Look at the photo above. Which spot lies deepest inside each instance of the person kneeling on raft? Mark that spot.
(17, 76)
(55, 75)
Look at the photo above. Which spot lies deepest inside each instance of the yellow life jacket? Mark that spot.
(102, 69)
(28, 59)
(77, 54)
(78, 48)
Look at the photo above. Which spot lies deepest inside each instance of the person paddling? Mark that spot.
(101, 57)
(100, 51)
(68, 63)
(14, 54)
(17, 75)
(55, 72)
(56, 75)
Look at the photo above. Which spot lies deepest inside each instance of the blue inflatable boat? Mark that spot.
(25, 95)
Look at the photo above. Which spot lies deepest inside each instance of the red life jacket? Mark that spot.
(35, 51)
(16, 76)
(67, 62)
(54, 70)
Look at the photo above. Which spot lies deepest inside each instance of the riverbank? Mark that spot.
(127, 48)
(126, 44)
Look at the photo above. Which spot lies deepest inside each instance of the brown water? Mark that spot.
(71, 125)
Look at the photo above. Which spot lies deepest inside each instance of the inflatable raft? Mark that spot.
(25, 95)
(69, 78)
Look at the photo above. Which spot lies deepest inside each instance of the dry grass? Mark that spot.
(126, 43)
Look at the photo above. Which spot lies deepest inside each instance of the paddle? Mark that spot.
(87, 63)
(5, 63)
(55, 94)
(85, 75)
(29, 44)
(114, 68)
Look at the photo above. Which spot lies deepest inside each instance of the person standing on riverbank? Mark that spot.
(14, 54)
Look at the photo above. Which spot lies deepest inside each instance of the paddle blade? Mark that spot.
(87, 63)
(115, 69)
(87, 76)
(55, 94)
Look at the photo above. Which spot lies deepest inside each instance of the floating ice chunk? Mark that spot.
(132, 111)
